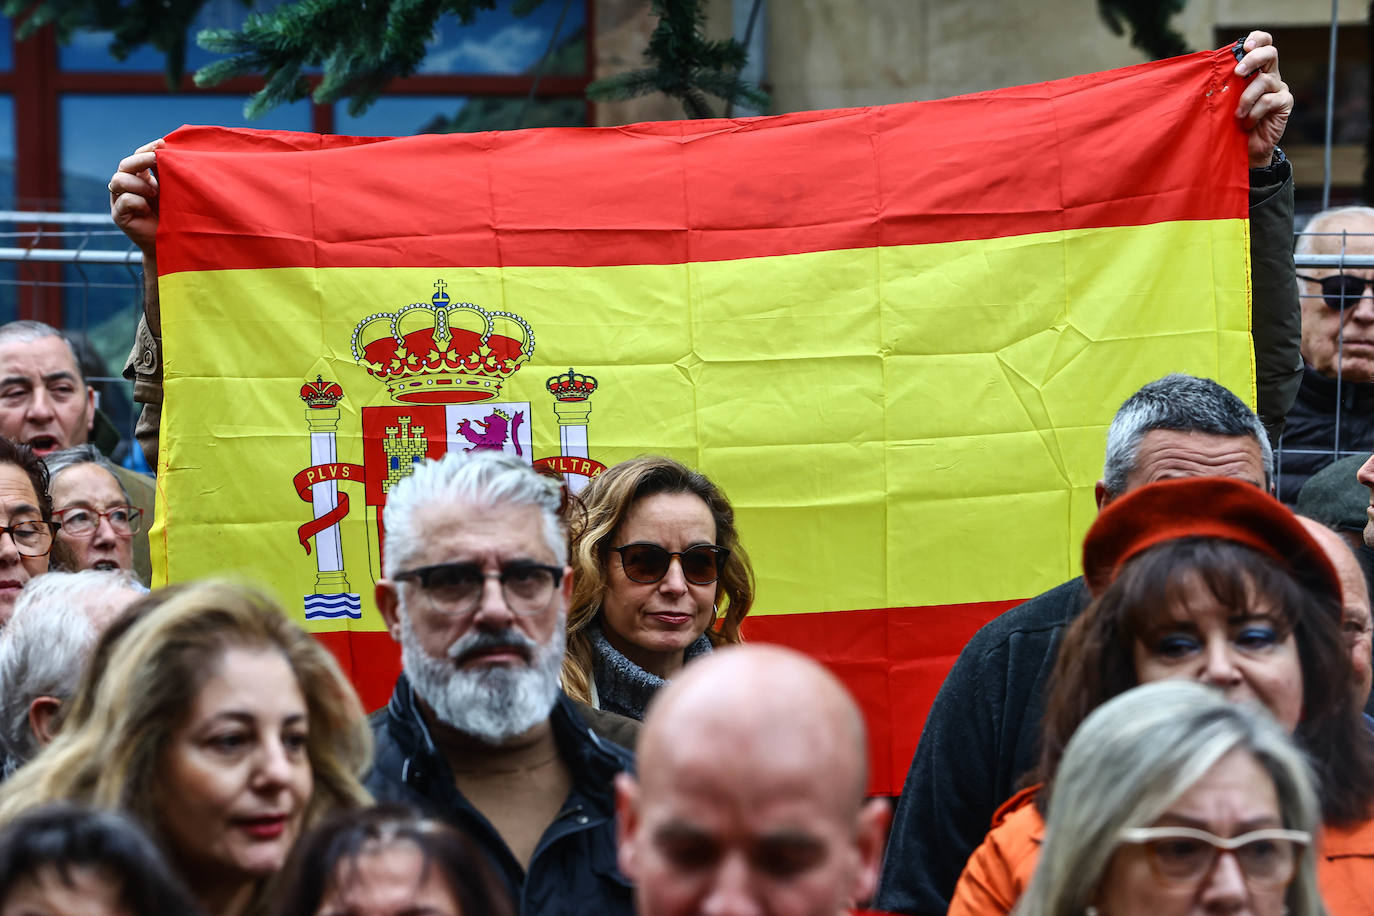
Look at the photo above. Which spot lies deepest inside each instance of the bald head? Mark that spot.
(752, 769)
(1355, 608)
(773, 705)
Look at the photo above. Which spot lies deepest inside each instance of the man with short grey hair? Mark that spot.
(56, 622)
(478, 731)
(982, 732)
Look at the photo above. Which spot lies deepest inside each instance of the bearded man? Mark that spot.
(478, 732)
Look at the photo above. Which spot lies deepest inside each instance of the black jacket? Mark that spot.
(573, 871)
(981, 736)
(1309, 437)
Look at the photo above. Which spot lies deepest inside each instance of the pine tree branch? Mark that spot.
(1149, 24)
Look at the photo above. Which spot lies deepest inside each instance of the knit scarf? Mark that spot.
(622, 686)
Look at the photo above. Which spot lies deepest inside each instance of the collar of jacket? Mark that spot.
(1321, 392)
(589, 757)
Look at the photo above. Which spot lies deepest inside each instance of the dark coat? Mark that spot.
(573, 871)
(980, 738)
(1309, 436)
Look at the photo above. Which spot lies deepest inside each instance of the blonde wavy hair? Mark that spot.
(140, 684)
(606, 502)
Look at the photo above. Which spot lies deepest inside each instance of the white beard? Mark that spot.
(494, 704)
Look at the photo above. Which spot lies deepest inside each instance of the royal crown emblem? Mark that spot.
(571, 386)
(319, 394)
(444, 365)
(441, 352)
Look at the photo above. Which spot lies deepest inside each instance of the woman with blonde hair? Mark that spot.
(659, 577)
(220, 726)
(1173, 799)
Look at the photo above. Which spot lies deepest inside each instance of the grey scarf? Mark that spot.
(622, 686)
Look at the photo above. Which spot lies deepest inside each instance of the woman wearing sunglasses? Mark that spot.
(1208, 580)
(98, 519)
(1172, 800)
(656, 562)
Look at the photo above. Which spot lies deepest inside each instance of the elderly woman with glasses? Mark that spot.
(659, 577)
(25, 519)
(97, 517)
(1172, 800)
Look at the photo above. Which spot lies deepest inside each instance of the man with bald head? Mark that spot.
(1355, 608)
(750, 793)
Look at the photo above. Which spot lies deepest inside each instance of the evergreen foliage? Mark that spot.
(684, 65)
(1149, 22)
(134, 23)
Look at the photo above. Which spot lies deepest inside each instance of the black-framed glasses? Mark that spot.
(78, 521)
(1185, 855)
(32, 539)
(648, 563)
(456, 588)
(1341, 291)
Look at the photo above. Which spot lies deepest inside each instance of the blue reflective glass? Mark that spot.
(499, 42)
(6, 50)
(6, 152)
(90, 50)
(402, 116)
(99, 130)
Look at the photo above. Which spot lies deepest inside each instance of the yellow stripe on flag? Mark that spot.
(931, 439)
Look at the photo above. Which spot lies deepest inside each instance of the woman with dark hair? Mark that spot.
(1210, 580)
(659, 577)
(25, 519)
(64, 858)
(389, 860)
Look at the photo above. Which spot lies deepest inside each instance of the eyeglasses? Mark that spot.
(648, 563)
(1184, 856)
(31, 539)
(1341, 291)
(456, 588)
(81, 522)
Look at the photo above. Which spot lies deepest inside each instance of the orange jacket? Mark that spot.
(1000, 869)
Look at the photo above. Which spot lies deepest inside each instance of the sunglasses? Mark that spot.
(648, 563)
(1341, 291)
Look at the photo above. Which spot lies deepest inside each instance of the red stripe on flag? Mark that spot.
(371, 660)
(1079, 153)
(892, 659)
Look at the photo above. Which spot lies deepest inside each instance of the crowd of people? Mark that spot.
(578, 730)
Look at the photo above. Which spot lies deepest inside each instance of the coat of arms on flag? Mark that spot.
(445, 366)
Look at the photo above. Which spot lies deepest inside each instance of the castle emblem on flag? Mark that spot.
(451, 371)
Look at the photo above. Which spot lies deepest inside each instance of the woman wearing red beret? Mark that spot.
(1215, 581)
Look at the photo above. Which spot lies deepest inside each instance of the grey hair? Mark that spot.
(45, 645)
(1316, 227)
(480, 478)
(1131, 759)
(1179, 403)
(67, 458)
(27, 331)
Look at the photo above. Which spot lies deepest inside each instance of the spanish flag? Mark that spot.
(893, 335)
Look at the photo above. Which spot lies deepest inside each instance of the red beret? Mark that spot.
(1207, 507)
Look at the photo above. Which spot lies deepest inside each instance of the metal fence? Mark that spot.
(78, 271)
